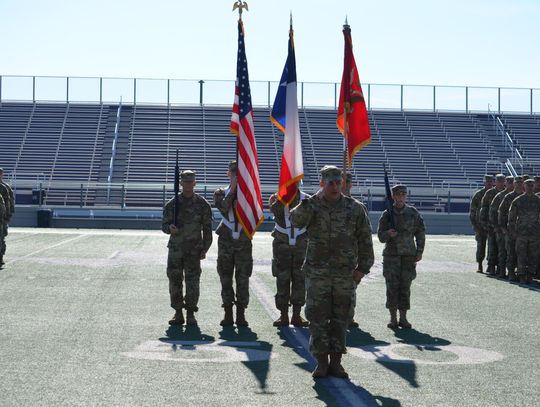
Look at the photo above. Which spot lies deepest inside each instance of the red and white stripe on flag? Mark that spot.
(249, 206)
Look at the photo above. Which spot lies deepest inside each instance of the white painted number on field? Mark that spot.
(459, 355)
(200, 351)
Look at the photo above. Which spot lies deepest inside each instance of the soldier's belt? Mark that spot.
(231, 226)
(287, 231)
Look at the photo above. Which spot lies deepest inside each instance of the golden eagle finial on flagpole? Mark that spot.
(240, 5)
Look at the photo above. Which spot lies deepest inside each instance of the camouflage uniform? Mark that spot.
(193, 239)
(493, 253)
(524, 223)
(234, 252)
(499, 233)
(9, 202)
(510, 241)
(339, 241)
(479, 231)
(289, 251)
(3, 211)
(400, 253)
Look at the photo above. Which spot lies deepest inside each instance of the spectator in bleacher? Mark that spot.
(524, 223)
(190, 240)
(494, 220)
(235, 257)
(404, 246)
(347, 192)
(474, 216)
(9, 202)
(510, 240)
(492, 248)
(339, 254)
(289, 251)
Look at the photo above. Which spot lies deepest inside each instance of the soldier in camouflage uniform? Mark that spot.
(404, 245)
(474, 215)
(493, 253)
(339, 254)
(3, 211)
(289, 251)
(510, 241)
(234, 254)
(190, 240)
(499, 233)
(9, 202)
(524, 224)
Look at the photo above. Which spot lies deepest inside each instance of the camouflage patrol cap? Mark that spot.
(529, 181)
(500, 177)
(518, 178)
(348, 178)
(188, 175)
(233, 166)
(330, 172)
(526, 177)
(510, 179)
(488, 177)
(399, 189)
(536, 178)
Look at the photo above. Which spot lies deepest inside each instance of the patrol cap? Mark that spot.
(348, 178)
(529, 181)
(536, 178)
(399, 188)
(500, 177)
(233, 166)
(526, 177)
(488, 177)
(518, 178)
(510, 179)
(330, 172)
(188, 175)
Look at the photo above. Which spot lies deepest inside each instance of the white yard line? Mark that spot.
(46, 248)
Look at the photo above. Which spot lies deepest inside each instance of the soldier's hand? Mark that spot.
(173, 229)
(203, 256)
(392, 233)
(358, 276)
(272, 200)
(418, 258)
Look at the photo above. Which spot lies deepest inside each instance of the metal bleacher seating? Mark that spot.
(525, 130)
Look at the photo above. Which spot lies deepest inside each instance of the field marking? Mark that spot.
(342, 389)
(46, 248)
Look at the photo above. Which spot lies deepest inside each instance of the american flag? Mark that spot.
(249, 207)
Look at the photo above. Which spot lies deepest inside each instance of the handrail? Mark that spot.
(57, 150)
(113, 149)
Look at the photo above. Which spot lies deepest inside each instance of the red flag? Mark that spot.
(249, 207)
(352, 104)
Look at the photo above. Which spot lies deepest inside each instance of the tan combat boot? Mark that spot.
(190, 318)
(480, 268)
(228, 318)
(321, 370)
(297, 319)
(393, 324)
(336, 369)
(177, 319)
(283, 320)
(403, 319)
(240, 316)
(353, 323)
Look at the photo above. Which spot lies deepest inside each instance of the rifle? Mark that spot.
(176, 190)
(389, 201)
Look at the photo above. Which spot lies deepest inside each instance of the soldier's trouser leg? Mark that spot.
(328, 303)
(522, 256)
(492, 249)
(501, 247)
(192, 272)
(175, 273)
(533, 249)
(511, 257)
(481, 238)
(243, 262)
(298, 280)
(353, 304)
(282, 271)
(3, 234)
(399, 272)
(225, 269)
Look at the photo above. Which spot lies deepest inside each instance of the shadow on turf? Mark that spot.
(186, 333)
(259, 368)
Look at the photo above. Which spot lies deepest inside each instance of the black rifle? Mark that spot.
(389, 201)
(176, 190)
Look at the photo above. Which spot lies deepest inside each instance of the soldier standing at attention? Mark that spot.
(494, 220)
(524, 223)
(234, 253)
(289, 251)
(510, 240)
(339, 254)
(404, 245)
(188, 244)
(493, 254)
(9, 202)
(474, 215)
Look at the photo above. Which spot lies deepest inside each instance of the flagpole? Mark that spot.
(346, 106)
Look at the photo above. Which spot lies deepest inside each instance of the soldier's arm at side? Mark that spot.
(167, 221)
(302, 213)
(512, 217)
(502, 215)
(383, 228)
(206, 229)
(473, 211)
(11, 202)
(366, 256)
(420, 236)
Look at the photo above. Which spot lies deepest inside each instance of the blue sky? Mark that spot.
(458, 42)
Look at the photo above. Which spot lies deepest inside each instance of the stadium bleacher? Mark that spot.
(55, 143)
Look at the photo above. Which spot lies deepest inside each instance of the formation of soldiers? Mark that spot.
(322, 249)
(7, 209)
(506, 218)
